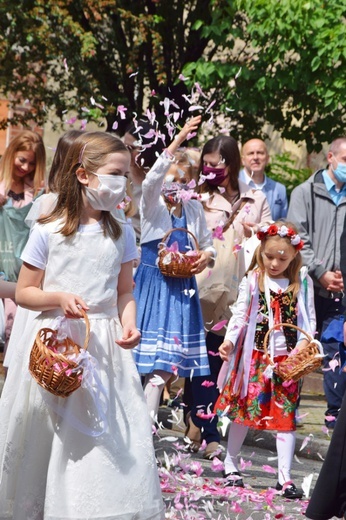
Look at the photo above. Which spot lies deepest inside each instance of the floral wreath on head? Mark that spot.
(283, 232)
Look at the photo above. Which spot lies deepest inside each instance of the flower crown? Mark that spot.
(282, 231)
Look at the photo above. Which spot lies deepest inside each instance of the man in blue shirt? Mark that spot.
(318, 208)
(255, 159)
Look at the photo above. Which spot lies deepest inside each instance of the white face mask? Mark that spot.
(109, 193)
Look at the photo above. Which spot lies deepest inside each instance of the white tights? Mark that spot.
(285, 444)
(154, 384)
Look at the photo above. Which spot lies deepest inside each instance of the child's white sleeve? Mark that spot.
(131, 251)
(239, 312)
(36, 250)
(152, 184)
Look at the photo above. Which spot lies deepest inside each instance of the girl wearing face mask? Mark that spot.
(22, 170)
(169, 315)
(229, 205)
(80, 257)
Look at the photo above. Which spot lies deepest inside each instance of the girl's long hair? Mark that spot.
(62, 147)
(228, 149)
(90, 151)
(292, 271)
(25, 141)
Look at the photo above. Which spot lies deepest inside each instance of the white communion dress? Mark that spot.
(89, 456)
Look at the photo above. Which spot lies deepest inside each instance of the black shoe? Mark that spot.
(236, 482)
(290, 491)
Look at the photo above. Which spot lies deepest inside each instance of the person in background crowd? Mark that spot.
(22, 171)
(41, 206)
(328, 498)
(318, 208)
(255, 157)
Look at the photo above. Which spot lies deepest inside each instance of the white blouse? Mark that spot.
(240, 308)
(155, 218)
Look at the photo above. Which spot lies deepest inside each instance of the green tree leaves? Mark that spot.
(262, 61)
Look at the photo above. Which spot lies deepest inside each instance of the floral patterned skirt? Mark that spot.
(270, 404)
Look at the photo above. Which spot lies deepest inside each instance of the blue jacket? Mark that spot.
(275, 193)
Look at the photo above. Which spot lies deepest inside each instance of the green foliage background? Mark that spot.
(258, 62)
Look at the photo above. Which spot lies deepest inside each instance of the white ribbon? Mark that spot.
(91, 382)
(243, 372)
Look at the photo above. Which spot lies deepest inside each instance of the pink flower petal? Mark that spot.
(220, 325)
(207, 384)
(269, 469)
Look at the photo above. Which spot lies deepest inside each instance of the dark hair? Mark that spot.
(228, 149)
(148, 149)
(62, 147)
(89, 150)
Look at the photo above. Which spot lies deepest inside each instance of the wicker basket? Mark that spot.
(301, 361)
(176, 264)
(52, 370)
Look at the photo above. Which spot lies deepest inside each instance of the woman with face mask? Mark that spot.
(232, 211)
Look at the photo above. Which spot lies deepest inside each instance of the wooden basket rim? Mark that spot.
(166, 235)
(59, 355)
(277, 326)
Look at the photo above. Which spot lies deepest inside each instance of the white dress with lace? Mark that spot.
(78, 458)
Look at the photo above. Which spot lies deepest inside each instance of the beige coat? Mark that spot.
(256, 210)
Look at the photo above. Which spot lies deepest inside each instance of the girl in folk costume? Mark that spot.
(169, 314)
(81, 456)
(275, 290)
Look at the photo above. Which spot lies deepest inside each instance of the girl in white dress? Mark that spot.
(90, 455)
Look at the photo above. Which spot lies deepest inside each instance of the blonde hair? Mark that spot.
(184, 161)
(90, 151)
(26, 141)
(292, 271)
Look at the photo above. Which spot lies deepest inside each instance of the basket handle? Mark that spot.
(277, 326)
(87, 324)
(181, 229)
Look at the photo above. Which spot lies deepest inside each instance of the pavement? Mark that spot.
(313, 437)
(192, 488)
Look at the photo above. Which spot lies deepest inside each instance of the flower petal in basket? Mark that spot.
(55, 371)
(167, 259)
(302, 359)
(174, 263)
